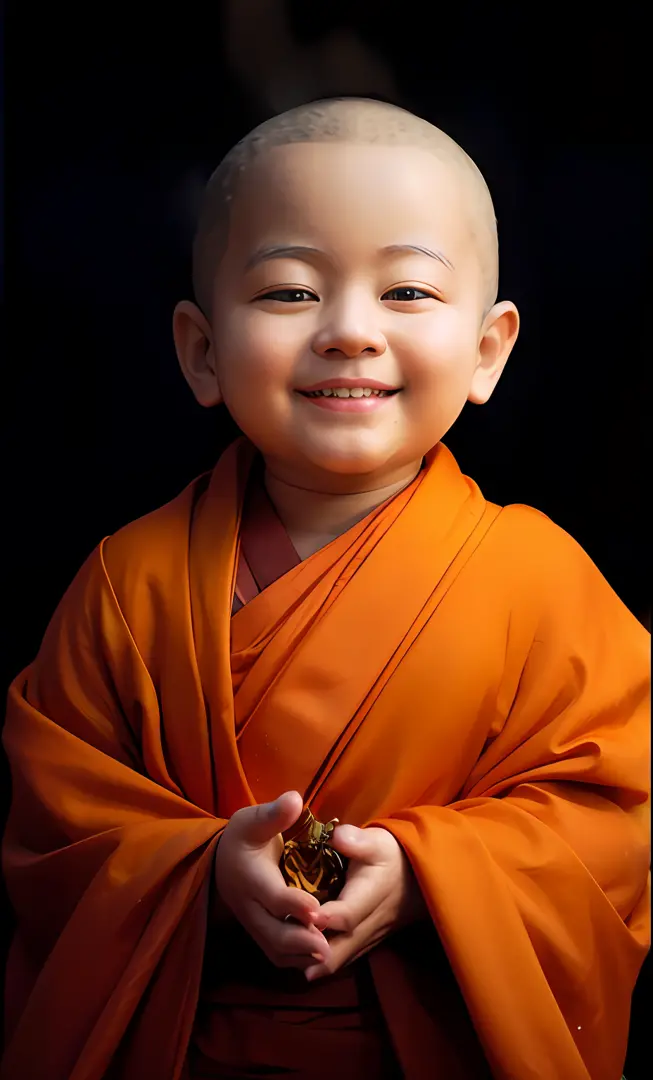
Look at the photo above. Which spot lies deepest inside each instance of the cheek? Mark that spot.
(441, 348)
(256, 345)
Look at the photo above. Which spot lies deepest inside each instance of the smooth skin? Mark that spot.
(289, 925)
(352, 298)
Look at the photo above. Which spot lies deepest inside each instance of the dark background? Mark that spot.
(115, 123)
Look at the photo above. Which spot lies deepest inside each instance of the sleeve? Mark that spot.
(537, 877)
(108, 872)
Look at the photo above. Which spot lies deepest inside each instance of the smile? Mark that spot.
(346, 392)
(355, 399)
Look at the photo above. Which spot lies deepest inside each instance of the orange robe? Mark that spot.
(253, 1016)
(461, 676)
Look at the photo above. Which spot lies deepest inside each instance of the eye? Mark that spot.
(407, 293)
(288, 296)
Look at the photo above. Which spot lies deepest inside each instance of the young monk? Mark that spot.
(334, 619)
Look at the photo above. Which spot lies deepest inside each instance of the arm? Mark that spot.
(536, 878)
(108, 871)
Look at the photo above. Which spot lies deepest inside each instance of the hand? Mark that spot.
(249, 881)
(380, 895)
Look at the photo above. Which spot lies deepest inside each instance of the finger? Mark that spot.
(366, 887)
(363, 845)
(346, 948)
(257, 825)
(267, 885)
(302, 963)
(319, 969)
(278, 938)
(289, 935)
(288, 902)
(256, 879)
(343, 951)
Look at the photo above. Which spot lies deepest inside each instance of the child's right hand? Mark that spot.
(247, 876)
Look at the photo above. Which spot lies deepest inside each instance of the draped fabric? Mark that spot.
(460, 676)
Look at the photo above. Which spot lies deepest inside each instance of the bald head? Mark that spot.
(338, 120)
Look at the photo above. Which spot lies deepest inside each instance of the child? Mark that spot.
(336, 619)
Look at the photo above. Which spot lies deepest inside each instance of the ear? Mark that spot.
(499, 334)
(194, 344)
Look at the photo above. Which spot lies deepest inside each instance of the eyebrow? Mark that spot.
(300, 251)
(292, 251)
(395, 249)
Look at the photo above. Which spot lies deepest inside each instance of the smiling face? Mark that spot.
(348, 267)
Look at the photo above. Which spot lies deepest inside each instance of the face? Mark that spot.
(347, 328)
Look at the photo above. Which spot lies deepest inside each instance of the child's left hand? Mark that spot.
(379, 896)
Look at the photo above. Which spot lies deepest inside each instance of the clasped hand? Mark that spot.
(380, 894)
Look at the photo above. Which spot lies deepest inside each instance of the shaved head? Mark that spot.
(338, 120)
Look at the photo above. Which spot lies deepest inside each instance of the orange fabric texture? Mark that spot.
(462, 677)
(266, 551)
(253, 1016)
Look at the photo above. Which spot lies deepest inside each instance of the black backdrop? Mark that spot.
(115, 123)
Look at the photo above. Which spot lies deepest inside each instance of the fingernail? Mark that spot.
(318, 956)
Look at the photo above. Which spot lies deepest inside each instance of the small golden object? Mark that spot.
(307, 861)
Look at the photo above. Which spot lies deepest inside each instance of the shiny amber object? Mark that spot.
(308, 862)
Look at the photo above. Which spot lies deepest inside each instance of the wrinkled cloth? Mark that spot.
(460, 676)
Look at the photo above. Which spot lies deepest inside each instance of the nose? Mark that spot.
(350, 329)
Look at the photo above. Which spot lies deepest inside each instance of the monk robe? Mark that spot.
(252, 1016)
(460, 676)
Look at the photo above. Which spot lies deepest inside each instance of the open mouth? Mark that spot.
(344, 392)
(349, 400)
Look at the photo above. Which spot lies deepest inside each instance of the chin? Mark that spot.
(356, 453)
(352, 463)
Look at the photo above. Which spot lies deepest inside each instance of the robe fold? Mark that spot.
(461, 676)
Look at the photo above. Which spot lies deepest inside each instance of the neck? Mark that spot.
(315, 518)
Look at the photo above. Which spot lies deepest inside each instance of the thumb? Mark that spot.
(262, 823)
(354, 843)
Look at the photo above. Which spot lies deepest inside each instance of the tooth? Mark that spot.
(367, 392)
(341, 391)
(327, 393)
(356, 391)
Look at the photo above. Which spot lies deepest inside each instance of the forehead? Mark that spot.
(346, 196)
